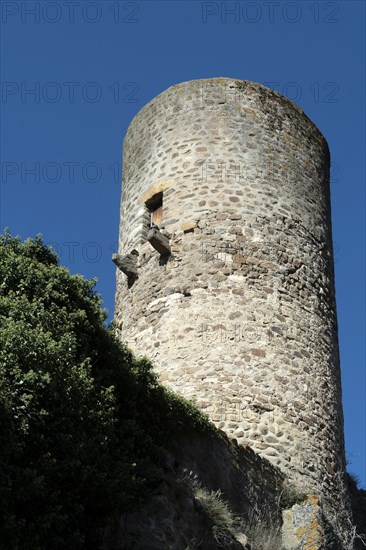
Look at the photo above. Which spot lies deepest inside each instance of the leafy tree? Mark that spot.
(82, 421)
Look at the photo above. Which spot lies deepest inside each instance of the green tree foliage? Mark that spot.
(81, 420)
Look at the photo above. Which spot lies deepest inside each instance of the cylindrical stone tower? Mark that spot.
(232, 294)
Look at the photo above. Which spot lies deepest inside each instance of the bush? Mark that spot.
(226, 526)
(81, 420)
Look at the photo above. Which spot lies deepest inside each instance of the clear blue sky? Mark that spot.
(93, 65)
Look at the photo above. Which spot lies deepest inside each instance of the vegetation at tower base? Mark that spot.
(81, 420)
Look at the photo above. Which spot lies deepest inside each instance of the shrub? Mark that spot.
(81, 419)
(225, 524)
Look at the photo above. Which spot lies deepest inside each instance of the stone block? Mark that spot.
(127, 264)
(189, 226)
(159, 241)
(303, 527)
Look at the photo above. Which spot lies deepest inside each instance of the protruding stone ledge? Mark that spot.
(159, 241)
(127, 264)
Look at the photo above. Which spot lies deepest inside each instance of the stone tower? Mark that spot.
(225, 275)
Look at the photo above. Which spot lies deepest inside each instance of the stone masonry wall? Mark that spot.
(172, 518)
(241, 316)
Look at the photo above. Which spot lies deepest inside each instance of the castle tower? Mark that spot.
(232, 296)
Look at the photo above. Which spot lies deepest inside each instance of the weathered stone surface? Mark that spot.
(267, 257)
(303, 527)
